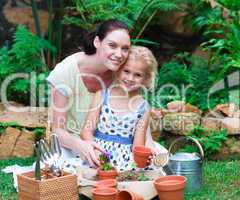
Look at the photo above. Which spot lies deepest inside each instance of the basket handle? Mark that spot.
(188, 138)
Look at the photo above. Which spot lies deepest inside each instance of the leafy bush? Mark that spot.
(26, 57)
(136, 13)
(189, 79)
(211, 142)
(221, 30)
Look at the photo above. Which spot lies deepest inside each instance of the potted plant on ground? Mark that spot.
(106, 170)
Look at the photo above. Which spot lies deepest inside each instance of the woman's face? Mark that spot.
(113, 50)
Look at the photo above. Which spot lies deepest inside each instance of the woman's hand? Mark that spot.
(87, 151)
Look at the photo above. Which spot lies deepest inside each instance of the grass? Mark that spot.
(221, 181)
(7, 191)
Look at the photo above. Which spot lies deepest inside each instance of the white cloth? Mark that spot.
(16, 169)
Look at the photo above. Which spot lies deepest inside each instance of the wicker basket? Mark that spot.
(55, 188)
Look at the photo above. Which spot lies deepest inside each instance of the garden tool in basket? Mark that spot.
(50, 156)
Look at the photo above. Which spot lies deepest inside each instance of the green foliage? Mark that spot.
(189, 79)
(137, 14)
(221, 30)
(7, 191)
(105, 161)
(4, 125)
(162, 142)
(233, 5)
(142, 177)
(143, 41)
(24, 57)
(38, 133)
(220, 181)
(211, 141)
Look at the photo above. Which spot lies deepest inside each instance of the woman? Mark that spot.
(74, 81)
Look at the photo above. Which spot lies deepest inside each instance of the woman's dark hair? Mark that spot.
(102, 31)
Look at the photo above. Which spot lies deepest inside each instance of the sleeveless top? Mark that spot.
(115, 133)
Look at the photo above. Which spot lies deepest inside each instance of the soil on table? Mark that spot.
(130, 176)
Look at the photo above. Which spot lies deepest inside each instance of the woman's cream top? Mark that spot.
(66, 78)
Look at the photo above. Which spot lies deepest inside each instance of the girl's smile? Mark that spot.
(132, 75)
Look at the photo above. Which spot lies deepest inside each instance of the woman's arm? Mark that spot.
(84, 149)
(92, 118)
(141, 129)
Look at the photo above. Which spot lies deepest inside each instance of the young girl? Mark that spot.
(123, 118)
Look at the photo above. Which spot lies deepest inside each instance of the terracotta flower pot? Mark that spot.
(128, 195)
(109, 174)
(106, 193)
(106, 183)
(141, 156)
(170, 187)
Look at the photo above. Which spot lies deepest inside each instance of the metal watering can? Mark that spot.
(187, 164)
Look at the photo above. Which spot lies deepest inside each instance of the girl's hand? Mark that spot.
(154, 153)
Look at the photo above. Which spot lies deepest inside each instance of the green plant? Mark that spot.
(221, 30)
(162, 142)
(142, 177)
(105, 161)
(137, 14)
(186, 78)
(38, 133)
(210, 141)
(54, 29)
(4, 125)
(24, 60)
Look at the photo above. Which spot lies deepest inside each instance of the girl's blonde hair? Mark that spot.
(140, 52)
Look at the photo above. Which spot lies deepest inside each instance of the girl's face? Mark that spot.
(132, 75)
(113, 50)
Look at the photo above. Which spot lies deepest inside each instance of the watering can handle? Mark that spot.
(188, 138)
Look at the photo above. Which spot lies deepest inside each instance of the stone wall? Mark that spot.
(179, 119)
